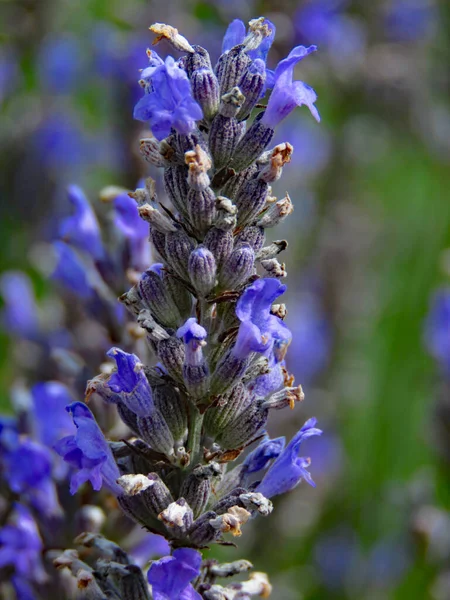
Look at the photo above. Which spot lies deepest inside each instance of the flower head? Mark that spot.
(170, 576)
(168, 101)
(88, 452)
(288, 94)
(289, 469)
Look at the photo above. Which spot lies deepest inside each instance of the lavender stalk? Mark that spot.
(207, 312)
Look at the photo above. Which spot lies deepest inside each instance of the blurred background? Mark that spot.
(367, 253)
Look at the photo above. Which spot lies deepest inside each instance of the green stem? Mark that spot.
(195, 433)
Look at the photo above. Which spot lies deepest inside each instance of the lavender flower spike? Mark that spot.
(170, 576)
(288, 94)
(289, 469)
(88, 451)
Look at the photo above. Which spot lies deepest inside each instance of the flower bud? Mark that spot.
(238, 268)
(234, 183)
(252, 85)
(158, 241)
(205, 89)
(178, 249)
(171, 353)
(199, 164)
(231, 66)
(176, 186)
(271, 251)
(231, 521)
(201, 206)
(150, 150)
(172, 407)
(220, 243)
(202, 532)
(223, 138)
(132, 501)
(218, 418)
(177, 518)
(196, 488)
(155, 431)
(132, 584)
(202, 270)
(274, 268)
(280, 155)
(276, 212)
(229, 371)
(156, 296)
(156, 219)
(243, 429)
(252, 144)
(254, 501)
(231, 102)
(251, 200)
(252, 235)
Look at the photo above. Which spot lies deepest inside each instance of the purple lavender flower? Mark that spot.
(130, 383)
(289, 469)
(88, 451)
(21, 546)
(260, 457)
(60, 64)
(253, 310)
(128, 221)
(70, 271)
(82, 229)
(20, 315)
(288, 94)
(170, 576)
(51, 419)
(437, 329)
(168, 100)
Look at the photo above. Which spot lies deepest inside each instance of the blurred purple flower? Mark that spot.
(51, 419)
(410, 20)
(170, 576)
(59, 64)
(289, 469)
(82, 229)
(135, 229)
(60, 142)
(28, 470)
(437, 329)
(21, 546)
(71, 272)
(310, 349)
(20, 313)
(168, 100)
